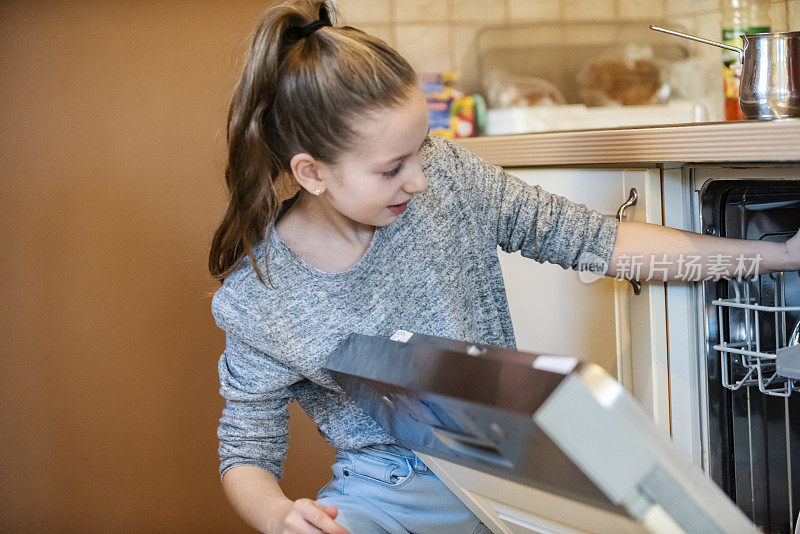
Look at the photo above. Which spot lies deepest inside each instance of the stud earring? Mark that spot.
(316, 191)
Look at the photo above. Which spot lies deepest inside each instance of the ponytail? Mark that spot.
(295, 95)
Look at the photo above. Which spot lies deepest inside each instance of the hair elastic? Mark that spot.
(298, 32)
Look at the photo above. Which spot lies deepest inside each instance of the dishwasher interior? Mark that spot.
(753, 405)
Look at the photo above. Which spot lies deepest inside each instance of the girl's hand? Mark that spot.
(307, 516)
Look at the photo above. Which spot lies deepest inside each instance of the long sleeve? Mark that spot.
(526, 218)
(254, 427)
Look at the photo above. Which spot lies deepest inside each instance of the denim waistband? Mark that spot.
(396, 450)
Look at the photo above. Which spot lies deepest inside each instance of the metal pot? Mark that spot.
(770, 85)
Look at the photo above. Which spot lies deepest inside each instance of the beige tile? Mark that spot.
(382, 31)
(684, 23)
(778, 16)
(590, 35)
(709, 25)
(688, 23)
(545, 35)
(677, 7)
(420, 10)
(479, 10)
(640, 9)
(794, 15)
(466, 55)
(425, 46)
(358, 11)
(534, 10)
(588, 9)
(466, 45)
(704, 6)
(684, 7)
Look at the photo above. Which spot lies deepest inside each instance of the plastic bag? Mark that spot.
(635, 78)
(505, 90)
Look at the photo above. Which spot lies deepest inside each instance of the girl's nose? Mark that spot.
(417, 184)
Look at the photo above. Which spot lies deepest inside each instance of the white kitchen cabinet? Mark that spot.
(557, 311)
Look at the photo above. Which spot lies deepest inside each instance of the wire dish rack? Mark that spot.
(757, 319)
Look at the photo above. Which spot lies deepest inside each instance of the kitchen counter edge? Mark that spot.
(736, 141)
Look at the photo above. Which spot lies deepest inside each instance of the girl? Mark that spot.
(390, 228)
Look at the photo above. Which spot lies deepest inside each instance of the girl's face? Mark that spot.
(371, 183)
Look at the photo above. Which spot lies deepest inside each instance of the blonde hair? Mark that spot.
(296, 97)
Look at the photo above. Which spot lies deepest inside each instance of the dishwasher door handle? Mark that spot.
(470, 446)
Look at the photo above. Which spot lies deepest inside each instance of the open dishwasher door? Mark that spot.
(530, 442)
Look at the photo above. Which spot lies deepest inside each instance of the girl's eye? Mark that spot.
(393, 172)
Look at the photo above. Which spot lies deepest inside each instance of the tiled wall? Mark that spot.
(438, 35)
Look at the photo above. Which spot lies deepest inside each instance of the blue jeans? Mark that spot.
(387, 489)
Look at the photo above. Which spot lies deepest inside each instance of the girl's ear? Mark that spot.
(306, 171)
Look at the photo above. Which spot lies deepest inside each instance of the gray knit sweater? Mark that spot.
(434, 270)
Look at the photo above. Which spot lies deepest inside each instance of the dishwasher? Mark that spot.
(750, 375)
(545, 443)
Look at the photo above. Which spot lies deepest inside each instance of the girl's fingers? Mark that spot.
(298, 525)
(330, 510)
(318, 517)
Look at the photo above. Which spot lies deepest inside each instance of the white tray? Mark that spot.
(516, 120)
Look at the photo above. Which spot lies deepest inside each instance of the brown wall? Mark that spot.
(111, 154)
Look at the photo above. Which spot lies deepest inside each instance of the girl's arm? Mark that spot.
(253, 431)
(550, 228)
(645, 251)
(510, 213)
(256, 496)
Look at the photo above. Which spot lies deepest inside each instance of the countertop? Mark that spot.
(736, 141)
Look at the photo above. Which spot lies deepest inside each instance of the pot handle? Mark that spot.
(701, 40)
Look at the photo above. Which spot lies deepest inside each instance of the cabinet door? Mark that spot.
(643, 360)
(559, 311)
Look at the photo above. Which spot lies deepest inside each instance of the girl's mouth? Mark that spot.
(397, 209)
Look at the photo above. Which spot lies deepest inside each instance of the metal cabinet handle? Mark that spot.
(632, 198)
